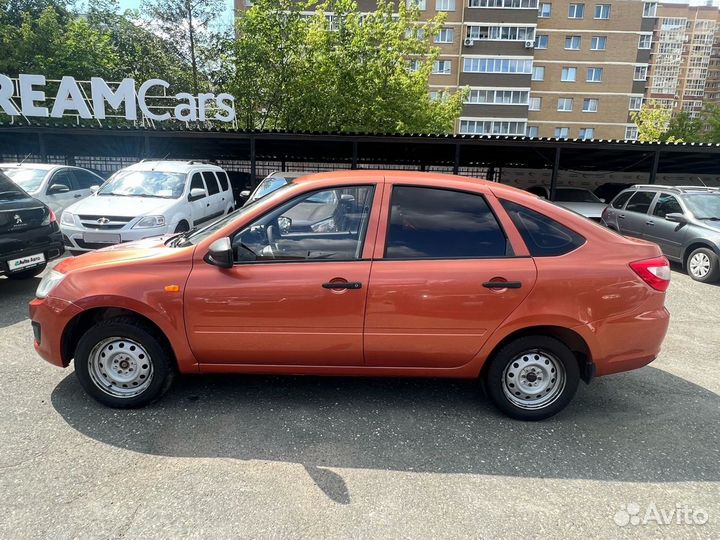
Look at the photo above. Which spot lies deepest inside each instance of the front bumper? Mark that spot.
(81, 239)
(51, 248)
(49, 318)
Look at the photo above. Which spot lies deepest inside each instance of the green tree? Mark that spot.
(653, 123)
(685, 128)
(347, 73)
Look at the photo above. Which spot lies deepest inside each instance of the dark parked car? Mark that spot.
(683, 220)
(29, 233)
(609, 190)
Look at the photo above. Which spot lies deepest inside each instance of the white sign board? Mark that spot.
(71, 99)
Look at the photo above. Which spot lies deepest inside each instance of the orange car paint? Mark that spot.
(411, 318)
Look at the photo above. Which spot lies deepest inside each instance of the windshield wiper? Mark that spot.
(710, 218)
(175, 240)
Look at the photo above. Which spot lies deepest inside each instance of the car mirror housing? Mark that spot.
(94, 189)
(196, 193)
(57, 188)
(676, 217)
(220, 253)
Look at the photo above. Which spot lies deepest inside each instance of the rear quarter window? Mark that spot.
(223, 177)
(543, 236)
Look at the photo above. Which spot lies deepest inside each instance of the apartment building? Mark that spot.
(544, 68)
(685, 59)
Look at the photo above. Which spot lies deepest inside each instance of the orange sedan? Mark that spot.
(365, 273)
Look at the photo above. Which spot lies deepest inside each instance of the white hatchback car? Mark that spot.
(58, 186)
(150, 198)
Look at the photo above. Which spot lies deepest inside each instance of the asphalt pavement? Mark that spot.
(635, 455)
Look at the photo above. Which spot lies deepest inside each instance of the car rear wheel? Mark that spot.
(123, 363)
(532, 378)
(703, 265)
(27, 274)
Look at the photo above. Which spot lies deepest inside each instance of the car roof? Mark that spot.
(41, 166)
(169, 165)
(680, 190)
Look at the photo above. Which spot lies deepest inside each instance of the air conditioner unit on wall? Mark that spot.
(469, 42)
(529, 44)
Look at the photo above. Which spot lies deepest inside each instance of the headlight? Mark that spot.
(51, 280)
(67, 218)
(326, 225)
(150, 221)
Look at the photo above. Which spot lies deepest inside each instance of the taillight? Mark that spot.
(655, 272)
(50, 218)
(53, 217)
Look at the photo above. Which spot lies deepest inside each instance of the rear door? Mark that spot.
(199, 207)
(667, 234)
(225, 190)
(214, 194)
(632, 220)
(434, 295)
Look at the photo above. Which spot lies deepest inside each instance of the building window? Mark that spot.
(248, 3)
(590, 105)
(497, 65)
(516, 4)
(545, 10)
(645, 41)
(587, 133)
(602, 11)
(631, 133)
(414, 66)
(640, 73)
(442, 67)
(497, 97)
(417, 33)
(598, 43)
(565, 104)
(541, 41)
(420, 4)
(493, 127)
(501, 33)
(446, 35)
(594, 74)
(572, 43)
(439, 95)
(636, 103)
(568, 74)
(650, 9)
(562, 132)
(533, 131)
(535, 104)
(538, 73)
(445, 5)
(576, 11)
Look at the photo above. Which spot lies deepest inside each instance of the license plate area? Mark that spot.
(25, 262)
(101, 238)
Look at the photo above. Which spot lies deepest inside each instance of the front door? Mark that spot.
(436, 294)
(200, 207)
(302, 300)
(59, 201)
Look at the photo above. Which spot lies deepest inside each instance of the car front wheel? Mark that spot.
(532, 378)
(703, 265)
(123, 363)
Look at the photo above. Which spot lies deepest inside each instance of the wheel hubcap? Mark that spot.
(533, 380)
(699, 265)
(120, 367)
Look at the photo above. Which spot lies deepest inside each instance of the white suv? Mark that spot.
(150, 198)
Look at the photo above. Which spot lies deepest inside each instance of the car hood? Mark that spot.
(129, 252)
(589, 210)
(112, 205)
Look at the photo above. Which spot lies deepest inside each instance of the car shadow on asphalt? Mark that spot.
(633, 427)
(14, 298)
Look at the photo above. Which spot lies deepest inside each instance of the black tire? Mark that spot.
(695, 272)
(537, 354)
(27, 274)
(183, 226)
(159, 358)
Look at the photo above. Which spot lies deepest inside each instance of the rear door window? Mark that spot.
(543, 236)
(431, 223)
(666, 204)
(211, 182)
(223, 177)
(621, 199)
(640, 202)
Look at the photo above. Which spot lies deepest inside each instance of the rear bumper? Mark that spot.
(626, 342)
(51, 247)
(50, 316)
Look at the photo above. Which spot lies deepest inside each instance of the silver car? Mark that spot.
(579, 200)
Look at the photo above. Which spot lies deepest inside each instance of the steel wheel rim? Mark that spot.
(120, 367)
(533, 380)
(700, 265)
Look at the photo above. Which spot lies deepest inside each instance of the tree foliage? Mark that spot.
(348, 73)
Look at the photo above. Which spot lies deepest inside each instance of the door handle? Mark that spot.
(502, 284)
(337, 285)
(77, 196)
(650, 223)
(621, 216)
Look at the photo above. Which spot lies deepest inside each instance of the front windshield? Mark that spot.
(9, 190)
(27, 178)
(267, 186)
(576, 195)
(704, 205)
(164, 185)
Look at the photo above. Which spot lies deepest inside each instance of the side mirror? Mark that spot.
(244, 194)
(676, 217)
(603, 200)
(94, 189)
(220, 253)
(196, 193)
(57, 188)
